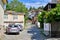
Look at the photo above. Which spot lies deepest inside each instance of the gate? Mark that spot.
(55, 29)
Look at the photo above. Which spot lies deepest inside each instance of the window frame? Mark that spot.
(5, 16)
(15, 17)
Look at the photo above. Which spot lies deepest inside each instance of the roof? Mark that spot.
(13, 13)
(4, 1)
(53, 5)
(13, 21)
(39, 10)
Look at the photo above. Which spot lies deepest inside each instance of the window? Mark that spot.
(15, 17)
(15, 25)
(5, 16)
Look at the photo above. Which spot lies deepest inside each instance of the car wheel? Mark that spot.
(7, 33)
(21, 30)
(17, 33)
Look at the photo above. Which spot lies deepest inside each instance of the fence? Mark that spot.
(55, 29)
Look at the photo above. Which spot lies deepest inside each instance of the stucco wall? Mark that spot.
(10, 20)
(1, 13)
(1, 3)
(1, 19)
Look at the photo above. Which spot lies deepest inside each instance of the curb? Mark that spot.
(45, 35)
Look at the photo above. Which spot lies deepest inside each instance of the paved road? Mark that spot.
(30, 33)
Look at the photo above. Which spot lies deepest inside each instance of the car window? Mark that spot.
(10, 25)
(15, 26)
(20, 25)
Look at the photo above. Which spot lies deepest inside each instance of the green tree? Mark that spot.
(30, 8)
(51, 16)
(8, 7)
(34, 8)
(17, 6)
(40, 7)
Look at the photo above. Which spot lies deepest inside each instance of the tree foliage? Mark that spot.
(32, 8)
(50, 16)
(40, 16)
(17, 6)
(40, 7)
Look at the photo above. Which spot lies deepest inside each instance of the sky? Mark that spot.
(33, 3)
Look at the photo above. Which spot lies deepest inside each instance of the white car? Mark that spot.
(12, 29)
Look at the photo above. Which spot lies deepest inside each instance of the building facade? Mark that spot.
(11, 17)
(2, 2)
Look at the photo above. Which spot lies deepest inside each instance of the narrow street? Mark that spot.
(30, 33)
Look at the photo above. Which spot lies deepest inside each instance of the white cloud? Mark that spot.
(36, 4)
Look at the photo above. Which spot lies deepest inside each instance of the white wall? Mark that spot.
(1, 13)
(1, 3)
(10, 18)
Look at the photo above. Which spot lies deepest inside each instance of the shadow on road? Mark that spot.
(36, 34)
(11, 33)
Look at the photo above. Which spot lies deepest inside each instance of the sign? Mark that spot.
(46, 27)
(38, 23)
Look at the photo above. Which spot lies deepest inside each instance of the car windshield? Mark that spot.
(15, 26)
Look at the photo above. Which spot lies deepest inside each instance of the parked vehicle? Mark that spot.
(12, 29)
(20, 27)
